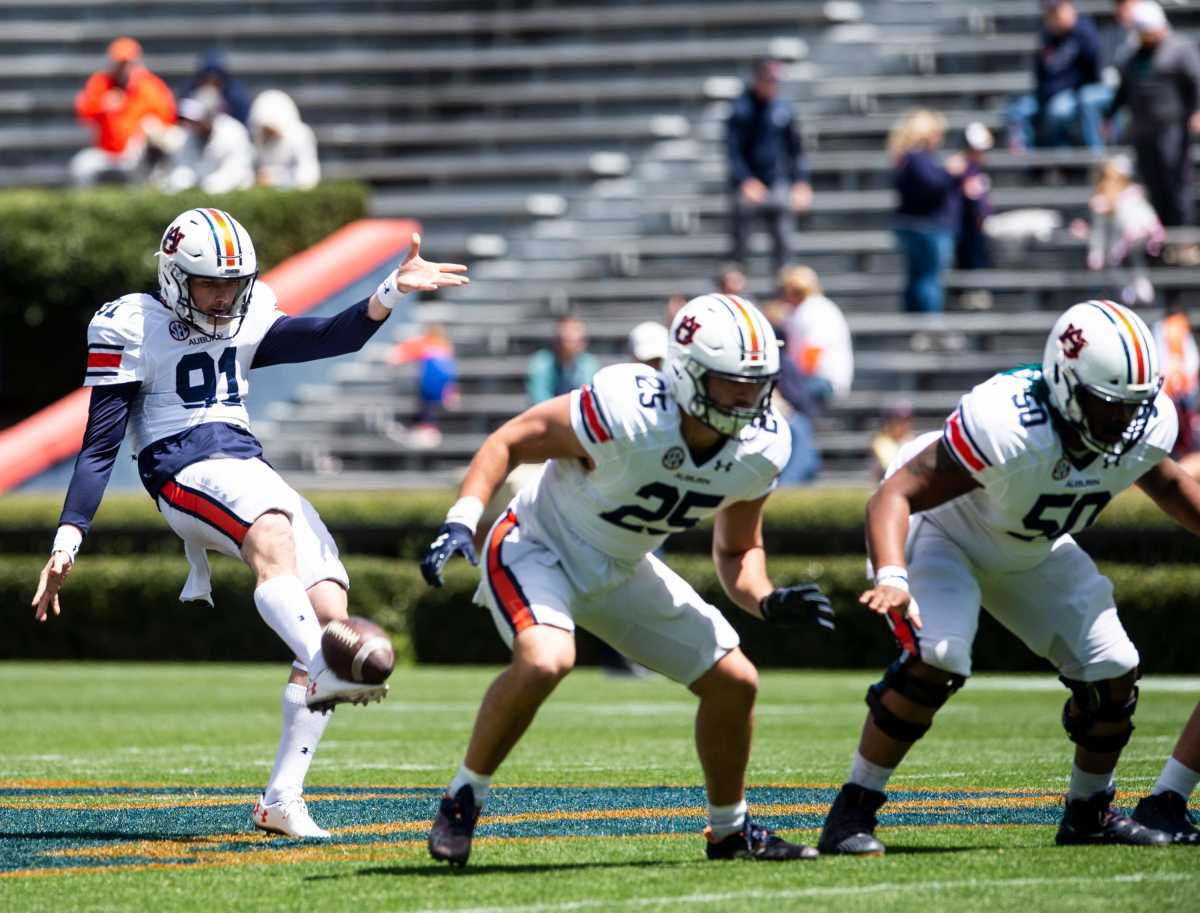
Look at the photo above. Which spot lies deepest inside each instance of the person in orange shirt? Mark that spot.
(120, 102)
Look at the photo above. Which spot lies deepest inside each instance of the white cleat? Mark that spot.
(325, 690)
(290, 818)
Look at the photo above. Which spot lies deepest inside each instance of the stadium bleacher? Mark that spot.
(572, 153)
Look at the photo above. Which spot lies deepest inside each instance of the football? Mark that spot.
(358, 650)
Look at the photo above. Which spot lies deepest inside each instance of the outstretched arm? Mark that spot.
(298, 339)
(1177, 493)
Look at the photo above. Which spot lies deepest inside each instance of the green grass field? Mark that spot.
(128, 787)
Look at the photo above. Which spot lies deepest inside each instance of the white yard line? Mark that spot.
(915, 887)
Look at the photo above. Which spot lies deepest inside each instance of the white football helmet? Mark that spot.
(722, 336)
(1102, 353)
(209, 243)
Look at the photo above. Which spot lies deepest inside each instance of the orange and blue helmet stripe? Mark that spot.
(225, 237)
(751, 335)
(1138, 348)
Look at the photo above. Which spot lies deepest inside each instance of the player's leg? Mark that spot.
(282, 808)
(529, 596)
(1165, 809)
(934, 663)
(657, 619)
(1063, 610)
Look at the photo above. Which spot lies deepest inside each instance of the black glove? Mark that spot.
(792, 606)
(451, 538)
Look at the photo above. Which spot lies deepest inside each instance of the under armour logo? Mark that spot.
(719, 465)
(171, 240)
(687, 329)
(440, 540)
(1072, 341)
(303, 749)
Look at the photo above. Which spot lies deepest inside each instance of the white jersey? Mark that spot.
(1003, 434)
(187, 378)
(644, 484)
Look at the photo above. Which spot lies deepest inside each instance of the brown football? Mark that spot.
(358, 650)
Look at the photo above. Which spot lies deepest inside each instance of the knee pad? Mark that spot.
(1097, 702)
(899, 678)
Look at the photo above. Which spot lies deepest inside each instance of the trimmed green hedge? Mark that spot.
(64, 253)
(401, 523)
(127, 608)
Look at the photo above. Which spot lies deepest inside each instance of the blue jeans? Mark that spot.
(805, 462)
(1052, 124)
(927, 251)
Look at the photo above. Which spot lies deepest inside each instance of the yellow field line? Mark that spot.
(181, 801)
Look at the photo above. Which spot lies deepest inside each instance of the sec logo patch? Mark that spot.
(673, 458)
(179, 330)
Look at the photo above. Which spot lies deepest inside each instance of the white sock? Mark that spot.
(724, 820)
(302, 731)
(284, 606)
(482, 785)
(1178, 778)
(1084, 785)
(868, 775)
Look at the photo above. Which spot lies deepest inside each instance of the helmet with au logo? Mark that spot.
(1101, 366)
(211, 244)
(722, 336)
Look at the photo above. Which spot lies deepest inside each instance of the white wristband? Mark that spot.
(388, 294)
(467, 511)
(67, 539)
(892, 575)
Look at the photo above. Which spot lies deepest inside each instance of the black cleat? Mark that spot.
(754, 841)
(850, 825)
(1168, 812)
(1093, 820)
(450, 836)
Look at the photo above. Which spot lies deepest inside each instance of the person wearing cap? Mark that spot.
(212, 150)
(1160, 87)
(212, 71)
(118, 102)
(768, 174)
(971, 249)
(648, 344)
(1068, 90)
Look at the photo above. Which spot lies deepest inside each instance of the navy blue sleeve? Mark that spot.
(1089, 52)
(736, 128)
(108, 414)
(797, 162)
(295, 339)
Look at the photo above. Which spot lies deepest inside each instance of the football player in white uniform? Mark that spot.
(982, 514)
(633, 457)
(174, 367)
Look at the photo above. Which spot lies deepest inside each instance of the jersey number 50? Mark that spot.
(1050, 527)
(204, 393)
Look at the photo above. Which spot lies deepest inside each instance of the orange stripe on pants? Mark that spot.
(504, 585)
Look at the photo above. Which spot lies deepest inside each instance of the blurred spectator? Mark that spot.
(799, 398)
(207, 149)
(212, 71)
(767, 172)
(674, 305)
(1160, 84)
(564, 366)
(895, 431)
(437, 381)
(648, 344)
(928, 213)
(1067, 85)
(1124, 228)
(285, 147)
(117, 102)
(730, 280)
(818, 337)
(971, 250)
(1180, 362)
